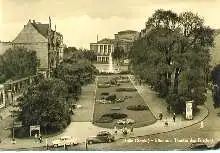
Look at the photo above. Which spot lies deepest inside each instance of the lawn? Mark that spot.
(141, 118)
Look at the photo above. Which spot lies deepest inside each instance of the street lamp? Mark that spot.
(86, 143)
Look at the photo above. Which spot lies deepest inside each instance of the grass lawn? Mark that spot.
(141, 118)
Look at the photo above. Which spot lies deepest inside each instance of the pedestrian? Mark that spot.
(202, 125)
(174, 117)
(115, 129)
(132, 129)
(35, 136)
(161, 116)
(40, 138)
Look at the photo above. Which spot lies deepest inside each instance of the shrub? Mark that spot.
(126, 89)
(105, 119)
(123, 81)
(103, 85)
(111, 97)
(119, 100)
(105, 93)
(125, 72)
(137, 107)
(108, 118)
(115, 115)
(21, 132)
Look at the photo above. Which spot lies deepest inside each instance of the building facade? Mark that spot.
(47, 43)
(2, 96)
(4, 46)
(125, 39)
(103, 49)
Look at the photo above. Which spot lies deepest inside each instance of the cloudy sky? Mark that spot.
(81, 20)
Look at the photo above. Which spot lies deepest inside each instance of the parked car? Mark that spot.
(199, 146)
(65, 140)
(101, 137)
(216, 146)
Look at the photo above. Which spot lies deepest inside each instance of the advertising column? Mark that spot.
(189, 110)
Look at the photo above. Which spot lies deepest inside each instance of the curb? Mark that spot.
(173, 129)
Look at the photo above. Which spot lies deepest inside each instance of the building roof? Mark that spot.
(127, 31)
(105, 41)
(217, 31)
(41, 28)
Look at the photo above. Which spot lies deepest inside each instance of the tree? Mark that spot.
(118, 53)
(216, 83)
(75, 74)
(74, 53)
(174, 56)
(44, 105)
(16, 63)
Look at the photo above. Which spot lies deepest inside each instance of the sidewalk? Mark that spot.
(150, 97)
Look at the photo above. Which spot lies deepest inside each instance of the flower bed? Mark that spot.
(126, 89)
(137, 107)
(103, 85)
(108, 118)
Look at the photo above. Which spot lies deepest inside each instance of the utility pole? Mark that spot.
(86, 145)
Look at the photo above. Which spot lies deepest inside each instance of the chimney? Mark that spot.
(49, 22)
(97, 38)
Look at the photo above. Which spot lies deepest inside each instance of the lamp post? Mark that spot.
(86, 143)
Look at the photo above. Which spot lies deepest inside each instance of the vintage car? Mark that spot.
(65, 140)
(101, 137)
(199, 146)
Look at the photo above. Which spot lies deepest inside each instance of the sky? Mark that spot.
(81, 20)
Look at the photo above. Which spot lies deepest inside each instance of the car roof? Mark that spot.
(63, 137)
(198, 143)
(104, 132)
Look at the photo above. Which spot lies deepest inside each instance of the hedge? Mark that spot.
(126, 89)
(137, 107)
(108, 118)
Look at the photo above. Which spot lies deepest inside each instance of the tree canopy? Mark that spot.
(16, 63)
(73, 52)
(173, 56)
(44, 104)
(118, 53)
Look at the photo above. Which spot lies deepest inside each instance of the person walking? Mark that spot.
(36, 137)
(160, 116)
(132, 129)
(116, 131)
(174, 117)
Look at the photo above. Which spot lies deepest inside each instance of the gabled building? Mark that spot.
(47, 43)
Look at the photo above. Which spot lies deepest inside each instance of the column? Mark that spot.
(107, 49)
(98, 49)
(10, 98)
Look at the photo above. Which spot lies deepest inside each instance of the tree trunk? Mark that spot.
(176, 81)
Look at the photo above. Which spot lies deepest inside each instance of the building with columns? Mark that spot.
(103, 48)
